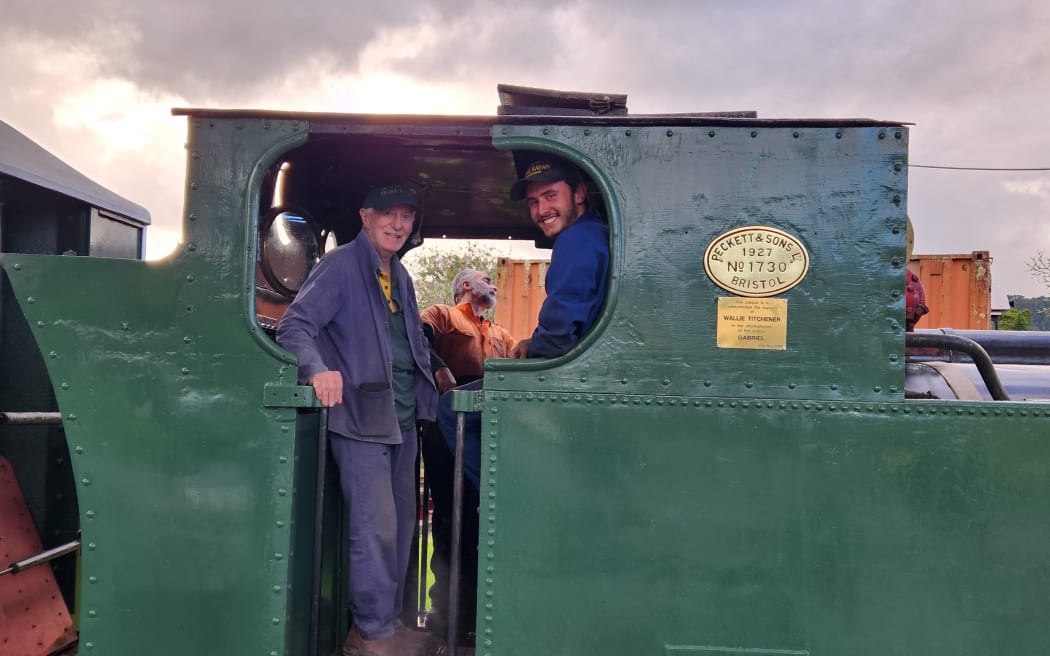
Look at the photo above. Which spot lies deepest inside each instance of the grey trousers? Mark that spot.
(379, 484)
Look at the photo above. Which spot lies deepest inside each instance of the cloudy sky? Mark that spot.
(94, 82)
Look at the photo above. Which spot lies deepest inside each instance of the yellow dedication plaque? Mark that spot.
(756, 261)
(752, 323)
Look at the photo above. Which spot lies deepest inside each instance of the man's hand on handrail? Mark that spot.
(328, 385)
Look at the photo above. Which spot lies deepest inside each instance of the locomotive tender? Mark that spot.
(727, 464)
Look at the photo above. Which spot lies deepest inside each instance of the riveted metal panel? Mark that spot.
(290, 396)
(185, 478)
(671, 191)
(633, 523)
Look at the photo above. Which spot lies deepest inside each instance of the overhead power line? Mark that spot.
(976, 168)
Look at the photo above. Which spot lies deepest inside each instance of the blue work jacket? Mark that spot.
(339, 322)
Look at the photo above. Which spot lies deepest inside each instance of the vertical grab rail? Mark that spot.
(463, 401)
(315, 584)
(457, 527)
(424, 564)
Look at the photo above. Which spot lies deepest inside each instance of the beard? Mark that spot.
(488, 300)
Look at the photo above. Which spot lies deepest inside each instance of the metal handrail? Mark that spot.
(41, 558)
(315, 584)
(457, 529)
(30, 418)
(971, 348)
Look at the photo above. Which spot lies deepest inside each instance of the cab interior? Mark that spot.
(310, 196)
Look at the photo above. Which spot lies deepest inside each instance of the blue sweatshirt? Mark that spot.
(576, 284)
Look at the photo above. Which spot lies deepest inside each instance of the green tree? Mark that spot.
(1039, 307)
(1016, 320)
(434, 268)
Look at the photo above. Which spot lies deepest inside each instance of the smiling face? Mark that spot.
(388, 229)
(554, 206)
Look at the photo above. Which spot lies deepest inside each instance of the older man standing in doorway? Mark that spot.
(356, 329)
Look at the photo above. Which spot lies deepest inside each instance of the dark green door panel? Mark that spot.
(624, 524)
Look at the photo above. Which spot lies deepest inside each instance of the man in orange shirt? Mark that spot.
(464, 339)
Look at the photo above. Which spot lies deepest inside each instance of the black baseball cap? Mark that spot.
(546, 169)
(383, 198)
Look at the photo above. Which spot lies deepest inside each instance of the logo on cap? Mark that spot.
(536, 168)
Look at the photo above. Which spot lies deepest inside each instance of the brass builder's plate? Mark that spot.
(756, 261)
(752, 323)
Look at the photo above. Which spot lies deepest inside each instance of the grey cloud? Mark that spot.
(797, 56)
(972, 74)
(198, 48)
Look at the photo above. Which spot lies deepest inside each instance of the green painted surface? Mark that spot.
(651, 493)
(185, 478)
(671, 196)
(826, 527)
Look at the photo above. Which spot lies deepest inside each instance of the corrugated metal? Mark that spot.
(958, 290)
(520, 293)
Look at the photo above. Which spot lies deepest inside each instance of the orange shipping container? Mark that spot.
(958, 290)
(520, 293)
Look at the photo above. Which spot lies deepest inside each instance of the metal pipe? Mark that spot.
(424, 534)
(30, 418)
(969, 347)
(1003, 346)
(457, 529)
(42, 557)
(315, 589)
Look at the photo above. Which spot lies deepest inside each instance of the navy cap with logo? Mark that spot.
(383, 198)
(548, 169)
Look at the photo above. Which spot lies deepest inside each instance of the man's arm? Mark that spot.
(573, 284)
(442, 374)
(314, 306)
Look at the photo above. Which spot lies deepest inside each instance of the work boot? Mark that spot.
(436, 623)
(437, 647)
(395, 645)
(410, 639)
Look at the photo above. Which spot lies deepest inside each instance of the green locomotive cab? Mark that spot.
(732, 461)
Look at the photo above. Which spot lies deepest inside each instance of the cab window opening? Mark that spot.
(309, 204)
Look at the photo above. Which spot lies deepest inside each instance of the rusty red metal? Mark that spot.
(33, 617)
(914, 301)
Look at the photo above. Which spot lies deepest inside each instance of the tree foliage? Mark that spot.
(1039, 267)
(1039, 309)
(433, 269)
(1016, 320)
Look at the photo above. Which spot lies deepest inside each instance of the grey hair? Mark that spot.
(457, 283)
